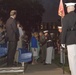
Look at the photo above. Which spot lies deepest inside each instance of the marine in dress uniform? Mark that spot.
(62, 53)
(49, 49)
(69, 35)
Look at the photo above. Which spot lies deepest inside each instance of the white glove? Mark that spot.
(63, 45)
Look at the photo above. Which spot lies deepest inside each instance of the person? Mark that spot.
(20, 28)
(25, 40)
(42, 46)
(68, 37)
(34, 45)
(53, 51)
(12, 35)
(62, 57)
(2, 36)
(19, 44)
(49, 49)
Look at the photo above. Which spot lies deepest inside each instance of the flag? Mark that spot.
(61, 9)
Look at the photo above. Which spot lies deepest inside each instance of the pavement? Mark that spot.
(40, 69)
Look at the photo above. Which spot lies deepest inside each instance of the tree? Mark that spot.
(29, 11)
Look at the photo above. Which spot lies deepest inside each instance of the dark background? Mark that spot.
(51, 9)
(32, 13)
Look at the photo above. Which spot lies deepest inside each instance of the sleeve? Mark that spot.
(64, 30)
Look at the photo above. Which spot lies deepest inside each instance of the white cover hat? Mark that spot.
(70, 4)
(45, 31)
(59, 27)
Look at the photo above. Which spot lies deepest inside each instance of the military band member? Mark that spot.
(62, 53)
(69, 35)
(49, 49)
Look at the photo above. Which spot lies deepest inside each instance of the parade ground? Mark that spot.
(40, 69)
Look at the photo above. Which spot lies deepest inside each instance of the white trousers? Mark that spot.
(72, 58)
(49, 55)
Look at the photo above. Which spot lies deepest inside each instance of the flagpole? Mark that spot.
(61, 13)
(63, 54)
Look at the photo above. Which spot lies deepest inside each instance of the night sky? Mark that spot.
(51, 10)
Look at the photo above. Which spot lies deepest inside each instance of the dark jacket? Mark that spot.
(42, 40)
(49, 41)
(69, 36)
(12, 30)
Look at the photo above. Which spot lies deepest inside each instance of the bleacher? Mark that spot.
(24, 57)
(3, 50)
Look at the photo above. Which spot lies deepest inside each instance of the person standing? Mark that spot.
(53, 52)
(20, 28)
(62, 53)
(19, 44)
(49, 49)
(68, 37)
(34, 47)
(12, 34)
(42, 46)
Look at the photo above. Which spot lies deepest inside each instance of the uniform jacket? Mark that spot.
(49, 41)
(68, 37)
(12, 30)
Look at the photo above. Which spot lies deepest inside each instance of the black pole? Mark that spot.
(63, 58)
(63, 53)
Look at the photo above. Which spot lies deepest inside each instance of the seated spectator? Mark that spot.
(25, 40)
(2, 35)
